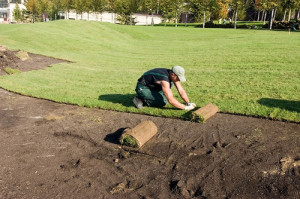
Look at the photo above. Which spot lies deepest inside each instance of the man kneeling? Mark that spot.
(154, 88)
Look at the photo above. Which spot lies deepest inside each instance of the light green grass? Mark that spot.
(249, 72)
(11, 71)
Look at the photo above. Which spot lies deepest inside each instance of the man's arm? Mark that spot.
(169, 95)
(181, 91)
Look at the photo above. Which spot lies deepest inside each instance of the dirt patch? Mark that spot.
(52, 150)
(24, 61)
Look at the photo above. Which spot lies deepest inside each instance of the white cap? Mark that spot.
(179, 71)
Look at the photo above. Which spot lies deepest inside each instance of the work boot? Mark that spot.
(138, 102)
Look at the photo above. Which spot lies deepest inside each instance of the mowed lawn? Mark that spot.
(248, 72)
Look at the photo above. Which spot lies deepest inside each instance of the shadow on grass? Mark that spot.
(115, 136)
(125, 100)
(283, 104)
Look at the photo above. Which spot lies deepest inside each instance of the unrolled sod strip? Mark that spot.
(204, 113)
(138, 135)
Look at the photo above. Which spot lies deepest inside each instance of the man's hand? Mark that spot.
(191, 103)
(189, 107)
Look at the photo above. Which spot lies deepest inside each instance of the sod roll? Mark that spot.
(204, 113)
(138, 135)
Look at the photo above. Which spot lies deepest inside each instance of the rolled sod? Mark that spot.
(204, 113)
(138, 135)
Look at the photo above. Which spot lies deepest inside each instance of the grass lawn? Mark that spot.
(249, 72)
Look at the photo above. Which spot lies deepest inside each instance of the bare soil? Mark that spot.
(52, 150)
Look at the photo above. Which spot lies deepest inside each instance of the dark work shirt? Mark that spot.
(150, 78)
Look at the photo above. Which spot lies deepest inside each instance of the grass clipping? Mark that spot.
(138, 135)
(22, 55)
(11, 71)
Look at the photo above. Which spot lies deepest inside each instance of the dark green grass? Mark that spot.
(247, 72)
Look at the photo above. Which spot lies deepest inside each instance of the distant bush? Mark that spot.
(211, 24)
(178, 24)
(293, 25)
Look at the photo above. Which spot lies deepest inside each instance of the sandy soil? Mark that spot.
(52, 150)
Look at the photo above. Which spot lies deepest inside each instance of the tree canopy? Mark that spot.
(172, 9)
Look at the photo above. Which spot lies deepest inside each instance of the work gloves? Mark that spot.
(190, 106)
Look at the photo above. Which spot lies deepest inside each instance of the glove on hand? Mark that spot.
(191, 103)
(189, 107)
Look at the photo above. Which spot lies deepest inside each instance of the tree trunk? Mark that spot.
(290, 14)
(185, 19)
(258, 15)
(284, 15)
(176, 20)
(204, 19)
(235, 19)
(274, 16)
(298, 15)
(265, 16)
(130, 22)
(271, 19)
(165, 21)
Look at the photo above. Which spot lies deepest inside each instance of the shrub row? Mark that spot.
(210, 24)
(293, 25)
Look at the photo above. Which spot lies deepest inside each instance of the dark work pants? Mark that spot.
(151, 97)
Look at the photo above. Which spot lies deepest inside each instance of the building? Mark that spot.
(6, 9)
(138, 19)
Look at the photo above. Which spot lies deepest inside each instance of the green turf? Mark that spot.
(249, 72)
(11, 71)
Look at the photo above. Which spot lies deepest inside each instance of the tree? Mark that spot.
(55, 6)
(17, 13)
(166, 9)
(236, 6)
(125, 8)
(98, 6)
(67, 5)
(223, 6)
(32, 7)
(202, 8)
(79, 6)
(288, 5)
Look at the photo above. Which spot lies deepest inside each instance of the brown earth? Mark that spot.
(52, 150)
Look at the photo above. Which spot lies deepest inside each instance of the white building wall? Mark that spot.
(139, 19)
(9, 10)
(103, 17)
(145, 19)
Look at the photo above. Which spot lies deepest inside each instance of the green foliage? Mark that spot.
(287, 25)
(18, 14)
(170, 10)
(125, 8)
(247, 72)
